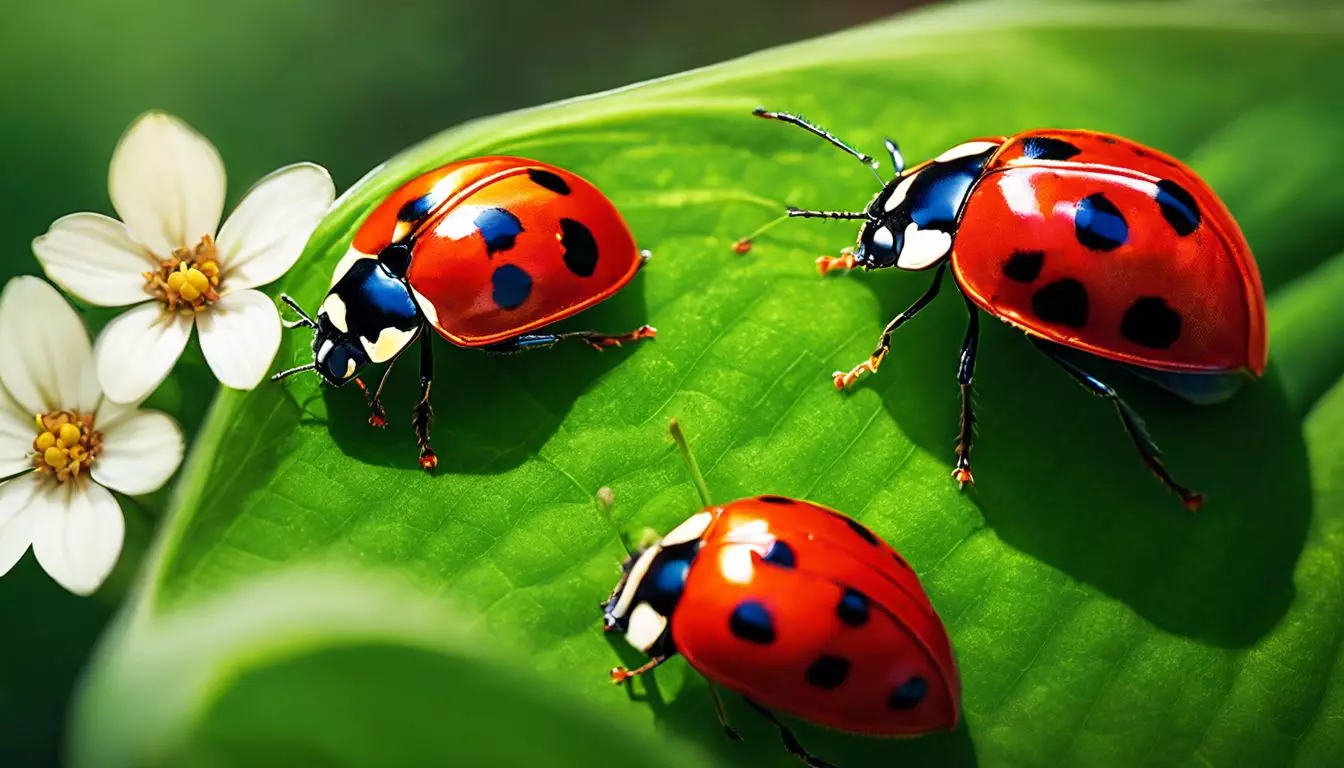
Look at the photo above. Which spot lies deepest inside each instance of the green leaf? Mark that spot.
(381, 674)
(1095, 622)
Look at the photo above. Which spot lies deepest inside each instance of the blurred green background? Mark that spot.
(341, 82)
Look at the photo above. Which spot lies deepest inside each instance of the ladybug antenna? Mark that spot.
(286, 374)
(818, 131)
(304, 320)
(743, 244)
(680, 438)
(604, 499)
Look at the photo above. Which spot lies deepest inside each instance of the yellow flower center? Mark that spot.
(189, 279)
(66, 444)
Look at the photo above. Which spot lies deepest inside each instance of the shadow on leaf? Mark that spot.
(492, 412)
(690, 713)
(1059, 480)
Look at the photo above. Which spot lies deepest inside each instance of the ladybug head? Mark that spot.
(337, 356)
(368, 316)
(651, 584)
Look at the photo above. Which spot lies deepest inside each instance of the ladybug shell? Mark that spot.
(801, 609)
(503, 245)
(1101, 244)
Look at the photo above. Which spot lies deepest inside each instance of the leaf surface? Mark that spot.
(1095, 622)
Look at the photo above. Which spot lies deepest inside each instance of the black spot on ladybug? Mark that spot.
(853, 608)
(781, 554)
(548, 180)
(909, 694)
(499, 228)
(1063, 302)
(1024, 266)
(775, 499)
(1178, 207)
(397, 258)
(1098, 224)
(1046, 148)
(1151, 322)
(828, 671)
(580, 247)
(1107, 139)
(751, 622)
(510, 286)
(1141, 152)
(858, 528)
(416, 209)
(901, 561)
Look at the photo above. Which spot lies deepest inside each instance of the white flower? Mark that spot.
(167, 183)
(63, 445)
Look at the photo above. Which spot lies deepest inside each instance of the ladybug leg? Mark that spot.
(1138, 433)
(377, 415)
(728, 730)
(845, 261)
(598, 341)
(423, 413)
(965, 373)
(621, 674)
(790, 741)
(845, 380)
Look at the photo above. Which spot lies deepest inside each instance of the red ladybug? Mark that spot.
(486, 252)
(1084, 241)
(797, 608)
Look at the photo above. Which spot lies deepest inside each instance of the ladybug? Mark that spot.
(797, 608)
(485, 252)
(1091, 244)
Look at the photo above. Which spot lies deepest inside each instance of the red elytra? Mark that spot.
(1085, 241)
(485, 252)
(798, 608)
(854, 643)
(560, 225)
(1203, 267)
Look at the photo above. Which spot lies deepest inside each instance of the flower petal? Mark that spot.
(78, 534)
(16, 437)
(94, 258)
(45, 349)
(135, 352)
(16, 522)
(240, 335)
(140, 453)
(266, 233)
(167, 183)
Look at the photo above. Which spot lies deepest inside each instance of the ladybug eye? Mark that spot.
(877, 245)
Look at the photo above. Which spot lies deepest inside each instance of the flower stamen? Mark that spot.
(189, 279)
(66, 444)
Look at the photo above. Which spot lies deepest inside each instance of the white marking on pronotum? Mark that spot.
(349, 367)
(324, 350)
(898, 194)
(334, 307)
(923, 247)
(427, 308)
(636, 575)
(347, 261)
(645, 627)
(690, 529)
(965, 150)
(390, 342)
